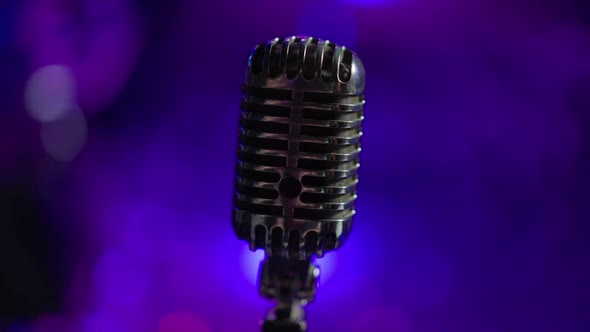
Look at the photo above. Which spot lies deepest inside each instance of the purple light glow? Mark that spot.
(183, 322)
(101, 321)
(121, 281)
(425, 280)
(472, 195)
(369, 3)
(381, 317)
(101, 52)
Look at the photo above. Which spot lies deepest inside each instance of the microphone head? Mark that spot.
(298, 147)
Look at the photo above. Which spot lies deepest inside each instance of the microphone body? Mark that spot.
(298, 147)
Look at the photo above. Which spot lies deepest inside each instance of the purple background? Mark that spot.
(118, 123)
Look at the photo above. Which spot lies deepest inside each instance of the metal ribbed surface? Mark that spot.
(298, 147)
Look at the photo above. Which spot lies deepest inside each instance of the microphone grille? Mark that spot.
(298, 147)
(306, 63)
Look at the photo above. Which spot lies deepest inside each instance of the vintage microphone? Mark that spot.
(297, 163)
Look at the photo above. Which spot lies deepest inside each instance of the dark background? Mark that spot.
(118, 123)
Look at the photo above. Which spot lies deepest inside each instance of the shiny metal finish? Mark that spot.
(298, 149)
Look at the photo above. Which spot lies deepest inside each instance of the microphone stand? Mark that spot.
(292, 284)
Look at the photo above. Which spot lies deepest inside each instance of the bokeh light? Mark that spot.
(64, 138)
(99, 42)
(50, 93)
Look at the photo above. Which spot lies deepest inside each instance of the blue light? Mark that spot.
(250, 263)
(328, 267)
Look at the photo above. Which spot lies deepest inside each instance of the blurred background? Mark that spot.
(118, 123)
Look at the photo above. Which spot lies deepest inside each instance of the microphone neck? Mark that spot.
(292, 284)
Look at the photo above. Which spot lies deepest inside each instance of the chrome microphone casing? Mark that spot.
(298, 147)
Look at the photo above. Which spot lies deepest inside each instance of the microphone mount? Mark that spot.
(292, 283)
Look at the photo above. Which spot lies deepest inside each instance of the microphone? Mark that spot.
(297, 160)
(299, 144)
